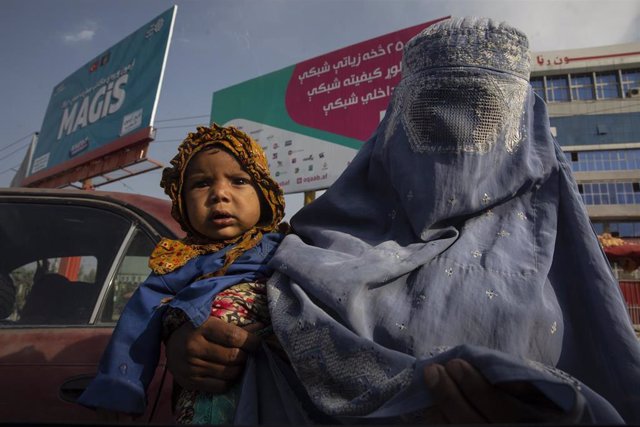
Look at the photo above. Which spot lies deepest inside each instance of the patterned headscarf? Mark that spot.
(172, 254)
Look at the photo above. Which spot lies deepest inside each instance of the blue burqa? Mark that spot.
(457, 231)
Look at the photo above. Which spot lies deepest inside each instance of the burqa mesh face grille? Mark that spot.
(464, 113)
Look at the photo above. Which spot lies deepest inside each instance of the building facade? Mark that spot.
(593, 99)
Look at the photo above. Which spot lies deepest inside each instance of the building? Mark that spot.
(593, 98)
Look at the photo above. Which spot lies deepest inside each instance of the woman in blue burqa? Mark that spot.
(457, 233)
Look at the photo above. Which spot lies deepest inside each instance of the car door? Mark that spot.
(67, 267)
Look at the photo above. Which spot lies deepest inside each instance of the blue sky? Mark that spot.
(219, 43)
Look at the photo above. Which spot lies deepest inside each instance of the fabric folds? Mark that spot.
(457, 231)
(129, 361)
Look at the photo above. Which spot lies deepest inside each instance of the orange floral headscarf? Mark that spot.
(172, 254)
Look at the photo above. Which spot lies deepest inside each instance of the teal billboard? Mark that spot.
(110, 97)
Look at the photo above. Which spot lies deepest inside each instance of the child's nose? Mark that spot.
(219, 192)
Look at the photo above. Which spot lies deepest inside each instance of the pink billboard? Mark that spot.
(356, 81)
(312, 117)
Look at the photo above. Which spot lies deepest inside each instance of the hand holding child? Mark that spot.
(210, 358)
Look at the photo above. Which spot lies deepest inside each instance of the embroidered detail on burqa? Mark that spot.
(394, 117)
(345, 382)
(565, 377)
(446, 104)
(341, 380)
(469, 42)
(463, 112)
(438, 350)
(514, 94)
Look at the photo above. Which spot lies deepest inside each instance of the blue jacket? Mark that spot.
(130, 360)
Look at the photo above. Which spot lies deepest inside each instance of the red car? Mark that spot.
(69, 261)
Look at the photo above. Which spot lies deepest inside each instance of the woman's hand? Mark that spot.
(463, 396)
(212, 357)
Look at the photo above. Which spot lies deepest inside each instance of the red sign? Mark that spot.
(346, 91)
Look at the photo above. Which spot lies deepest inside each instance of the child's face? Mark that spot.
(219, 196)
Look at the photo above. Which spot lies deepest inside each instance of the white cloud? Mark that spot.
(84, 34)
(81, 36)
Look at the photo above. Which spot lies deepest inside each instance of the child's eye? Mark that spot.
(241, 181)
(200, 183)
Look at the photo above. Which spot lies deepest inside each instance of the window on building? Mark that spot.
(582, 87)
(607, 85)
(606, 160)
(622, 229)
(588, 86)
(598, 227)
(625, 229)
(610, 193)
(602, 129)
(630, 80)
(537, 84)
(557, 89)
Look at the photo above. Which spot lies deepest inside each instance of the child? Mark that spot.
(230, 208)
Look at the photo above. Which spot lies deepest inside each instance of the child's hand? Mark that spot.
(464, 396)
(211, 357)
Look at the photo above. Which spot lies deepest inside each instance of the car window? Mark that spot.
(132, 271)
(81, 269)
(56, 257)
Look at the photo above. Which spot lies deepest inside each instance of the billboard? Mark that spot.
(312, 117)
(107, 104)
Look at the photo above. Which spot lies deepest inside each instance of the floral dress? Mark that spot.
(241, 305)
